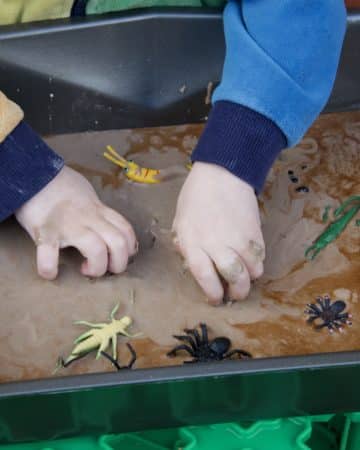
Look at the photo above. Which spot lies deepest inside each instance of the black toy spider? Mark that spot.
(203, 350)
(331, 314)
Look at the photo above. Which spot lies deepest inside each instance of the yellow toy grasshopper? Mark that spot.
(132, 170)
(98, 337)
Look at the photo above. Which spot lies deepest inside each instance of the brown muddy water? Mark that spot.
(37, 316)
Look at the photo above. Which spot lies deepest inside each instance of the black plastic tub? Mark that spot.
(136, 70)
(128, 71)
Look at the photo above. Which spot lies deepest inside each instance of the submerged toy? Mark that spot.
(98, 338)
(132, 170)
(344, 215)
(331, 314)
(203, 350)
(136, 173)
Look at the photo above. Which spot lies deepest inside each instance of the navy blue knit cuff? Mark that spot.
(242, 141)
(79, 8)
(27, 165)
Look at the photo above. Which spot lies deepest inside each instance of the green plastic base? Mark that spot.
(351, 432)
(301, 433)
(330, 432)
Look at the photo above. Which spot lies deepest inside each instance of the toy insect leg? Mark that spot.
(112, 360)
(103, 347)
(133, 356)
(114, 311)
(239, 353)
(114, 344)
(178, 348)
(114, 157)
(62, 363)
(116, 364)
(343, 316)
(83, 336)
(187, 339)
(125, 333)
(330, 326)
(204, 332)
(196, 335)
(312, 319)
(320, 301)
(92, 325)
(313, 309)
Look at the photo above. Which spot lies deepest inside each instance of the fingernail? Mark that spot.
(231, 272)
(257, 250)
(214, 302)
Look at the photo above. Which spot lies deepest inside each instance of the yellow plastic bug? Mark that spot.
(132, 170)
(99, 336)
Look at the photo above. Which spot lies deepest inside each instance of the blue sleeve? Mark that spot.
(280, 66)
(27, 165)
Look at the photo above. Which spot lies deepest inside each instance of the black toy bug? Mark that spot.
(331, 314)
(204, 350)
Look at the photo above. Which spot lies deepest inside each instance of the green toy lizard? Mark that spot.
(343, 215)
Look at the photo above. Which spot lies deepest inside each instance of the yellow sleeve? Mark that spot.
(10, 116)
(14, 11)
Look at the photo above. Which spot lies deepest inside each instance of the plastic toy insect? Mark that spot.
(329, 313)
(98, 337)
(132, 170)
(343, 215)
(202, 350)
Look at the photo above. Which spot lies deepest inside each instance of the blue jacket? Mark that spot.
(280, 66)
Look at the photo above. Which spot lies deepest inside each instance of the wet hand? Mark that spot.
(68, 213)
(218, 232)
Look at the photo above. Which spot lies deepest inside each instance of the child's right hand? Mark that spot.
(68, 213)
(217, 230)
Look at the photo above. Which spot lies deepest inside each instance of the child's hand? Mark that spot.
(217, 229)
(68, 213)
